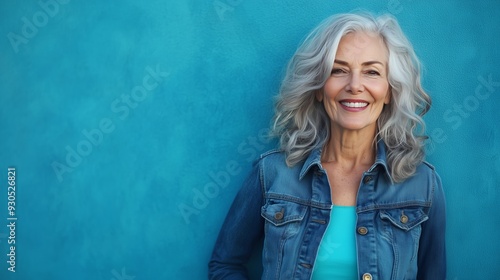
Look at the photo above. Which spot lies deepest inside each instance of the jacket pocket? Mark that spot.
(283, 223)
(404, 218)
(401, 229)
(281, 212)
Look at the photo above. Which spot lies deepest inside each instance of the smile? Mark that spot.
(354, 104)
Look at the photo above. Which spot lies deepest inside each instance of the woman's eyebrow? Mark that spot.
(341, 62)
(371, 62)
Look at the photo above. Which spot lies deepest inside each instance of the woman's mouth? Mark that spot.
(354, 106)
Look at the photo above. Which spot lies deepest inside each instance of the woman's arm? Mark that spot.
(432, 249)
(242, 229)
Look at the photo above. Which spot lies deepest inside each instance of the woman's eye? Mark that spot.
(373, 73)
(336, 71)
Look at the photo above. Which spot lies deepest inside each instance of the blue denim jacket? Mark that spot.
(400, 232)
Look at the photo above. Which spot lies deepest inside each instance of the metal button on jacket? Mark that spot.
(367, 276)
(362, 230)
(404, 218)
(279, 215)
(367, 179)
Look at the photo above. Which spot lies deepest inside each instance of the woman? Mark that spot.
(348, 195)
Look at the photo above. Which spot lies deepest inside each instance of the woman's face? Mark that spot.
(355, 93)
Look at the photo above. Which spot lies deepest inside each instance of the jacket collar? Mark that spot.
(314, 158)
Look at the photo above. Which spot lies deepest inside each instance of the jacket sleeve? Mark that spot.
(432, 248)
(240, 232)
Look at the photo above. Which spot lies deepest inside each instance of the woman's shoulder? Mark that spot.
(428, 166)
(274, 158)
(423, 172)
(433, 174)
(425, 179)
(273, 163)
(426, 169)
(272, 154)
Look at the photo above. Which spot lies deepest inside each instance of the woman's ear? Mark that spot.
(319, 95)
(388, 97)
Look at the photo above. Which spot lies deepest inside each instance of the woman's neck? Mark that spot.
(350, 148)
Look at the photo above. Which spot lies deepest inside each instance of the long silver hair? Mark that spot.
(301, 122)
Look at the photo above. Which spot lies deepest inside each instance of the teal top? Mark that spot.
(337, 258)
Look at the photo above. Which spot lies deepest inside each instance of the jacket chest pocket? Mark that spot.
(283, 223)
(400, 232)
(283, 218)
(404, 218)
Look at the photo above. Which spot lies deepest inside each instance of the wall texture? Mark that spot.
(131, 125)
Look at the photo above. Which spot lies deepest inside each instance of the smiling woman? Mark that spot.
(348, 194)
(353, 97)
(356, 92)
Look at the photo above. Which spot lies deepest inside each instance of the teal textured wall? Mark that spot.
(131, 125)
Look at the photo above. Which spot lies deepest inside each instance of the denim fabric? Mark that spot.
(400, 227)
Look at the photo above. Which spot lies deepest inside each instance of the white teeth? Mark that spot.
(354, 104)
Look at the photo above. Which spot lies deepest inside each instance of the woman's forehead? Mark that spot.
(361, 45)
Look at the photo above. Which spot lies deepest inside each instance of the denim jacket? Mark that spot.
(400, 228)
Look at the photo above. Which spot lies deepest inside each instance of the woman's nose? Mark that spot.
(355, 85)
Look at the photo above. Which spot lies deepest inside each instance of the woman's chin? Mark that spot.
(356, 126)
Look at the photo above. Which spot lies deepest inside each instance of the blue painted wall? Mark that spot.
(131, 125)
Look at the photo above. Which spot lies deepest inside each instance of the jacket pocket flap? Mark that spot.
(405, 219)
(282, 212)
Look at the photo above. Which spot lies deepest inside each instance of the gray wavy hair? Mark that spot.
(301, 122)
